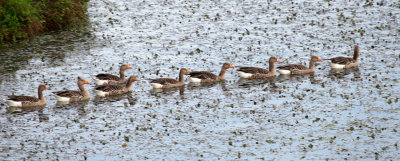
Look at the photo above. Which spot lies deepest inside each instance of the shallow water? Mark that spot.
(331, 115)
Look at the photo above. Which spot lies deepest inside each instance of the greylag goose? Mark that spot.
(71, 96)
(254, 72)
(170, 82)
(205, 76)
(103, 79)
(28, 101)
(115, 89)
(298, 68)
(345, 62)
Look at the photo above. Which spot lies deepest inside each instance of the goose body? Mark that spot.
(170, 82)
(103, 79)
(345, 62)
(114, 89)
(28, 101)
(254, 72)
(205, 76)
(72, 95)
(298, 68)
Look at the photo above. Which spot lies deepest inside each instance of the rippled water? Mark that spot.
(331, 115)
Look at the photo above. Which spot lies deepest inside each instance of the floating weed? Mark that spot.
(372, 136)
(247, 32)
(123, 145)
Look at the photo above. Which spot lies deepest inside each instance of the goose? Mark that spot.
(72, 95)
(205, 76)
(345, 62)
(170, 82)
(103, 79)
(298, 68)
(254, 72)
(28, 101)
(115, 89)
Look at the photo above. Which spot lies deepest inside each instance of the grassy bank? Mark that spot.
(20, 19)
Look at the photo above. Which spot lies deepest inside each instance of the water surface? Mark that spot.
(330, 115)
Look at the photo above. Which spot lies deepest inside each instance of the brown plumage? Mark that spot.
(28, 101)
(298, 68)
(73, 95)
(103, 78)
(169, 82)
(205, 76)
(254, 72)
(345, 62)
(113, 89)
(109, 77)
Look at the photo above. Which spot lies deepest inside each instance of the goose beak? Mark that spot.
(279, 61)
(231, 66)
(47, 88)
(137, 79)
(188, 71)
(129, 67)
(319, 59)
(86, 82)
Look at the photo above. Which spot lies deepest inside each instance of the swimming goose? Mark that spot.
(114, 89)
(72, 95)
(345, 62)
(254, 72)
(170, 82)
(103, 79)
(28, 101)
(298, 68)
(205, 76)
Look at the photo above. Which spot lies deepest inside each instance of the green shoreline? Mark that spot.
(21, 19)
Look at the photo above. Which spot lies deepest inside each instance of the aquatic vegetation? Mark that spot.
(20, 19)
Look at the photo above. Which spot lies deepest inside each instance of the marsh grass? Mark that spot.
(21, 19)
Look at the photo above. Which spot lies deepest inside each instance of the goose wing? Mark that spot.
(164, 81)
(68, 93)
(107, 77)
(23, 98)
(293, 67)
(108, 88)
(253, 70)
(342, 60)
(202, 75)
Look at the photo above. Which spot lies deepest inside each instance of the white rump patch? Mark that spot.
(100, 82)
(156, 85)
(195, 80)
(101, 93)
(14, 103)
(284, 71)
(244, 75)
(337, 66)
(61, 99)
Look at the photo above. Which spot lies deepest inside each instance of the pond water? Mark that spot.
(331, 115)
